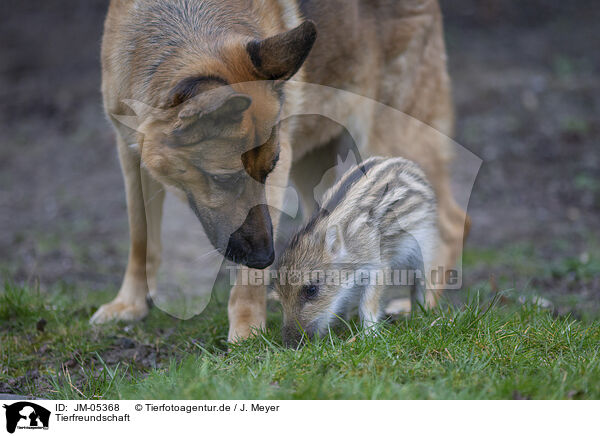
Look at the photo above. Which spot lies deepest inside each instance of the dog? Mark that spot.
(380, 219)
(195, 60)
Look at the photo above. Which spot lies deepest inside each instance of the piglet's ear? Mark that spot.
(281, 56)
(334, 243)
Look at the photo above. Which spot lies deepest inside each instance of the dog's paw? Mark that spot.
(239, 332)
(120, 311)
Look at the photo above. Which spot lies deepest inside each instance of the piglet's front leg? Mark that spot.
(369, 309)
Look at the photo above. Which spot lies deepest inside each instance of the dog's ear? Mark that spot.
(281, 56)
(142, 111)
(222, 104)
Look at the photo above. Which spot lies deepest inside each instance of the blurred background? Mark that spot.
(527, 94)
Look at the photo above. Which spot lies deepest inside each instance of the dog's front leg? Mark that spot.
(247, 308)
(144, 206)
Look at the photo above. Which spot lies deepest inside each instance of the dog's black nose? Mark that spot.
(252, 244)
(260, 260)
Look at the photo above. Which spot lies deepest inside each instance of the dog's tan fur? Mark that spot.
(391, 51)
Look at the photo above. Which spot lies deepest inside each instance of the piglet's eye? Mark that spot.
(310, 291)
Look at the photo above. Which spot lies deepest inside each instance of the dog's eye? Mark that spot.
(310, 291)
(225, 179)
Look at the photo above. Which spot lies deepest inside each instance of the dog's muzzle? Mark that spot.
(252, 244)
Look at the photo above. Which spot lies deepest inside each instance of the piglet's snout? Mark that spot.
(291, 336)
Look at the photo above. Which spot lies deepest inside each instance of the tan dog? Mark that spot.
(192, 59)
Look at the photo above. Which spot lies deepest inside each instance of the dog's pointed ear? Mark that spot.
(221, 103)
(142, 112)
(279, 57)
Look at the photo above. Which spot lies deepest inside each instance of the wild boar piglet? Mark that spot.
(377, 226)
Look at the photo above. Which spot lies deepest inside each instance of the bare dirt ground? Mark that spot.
(527, 90)
(528, 103)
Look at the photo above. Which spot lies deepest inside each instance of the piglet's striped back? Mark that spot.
(391, 194)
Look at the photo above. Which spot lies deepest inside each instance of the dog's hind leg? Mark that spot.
(144, 206)
(397, 134)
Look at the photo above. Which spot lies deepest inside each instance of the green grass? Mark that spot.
(522, 260)
(568, 281)
(482, 350)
